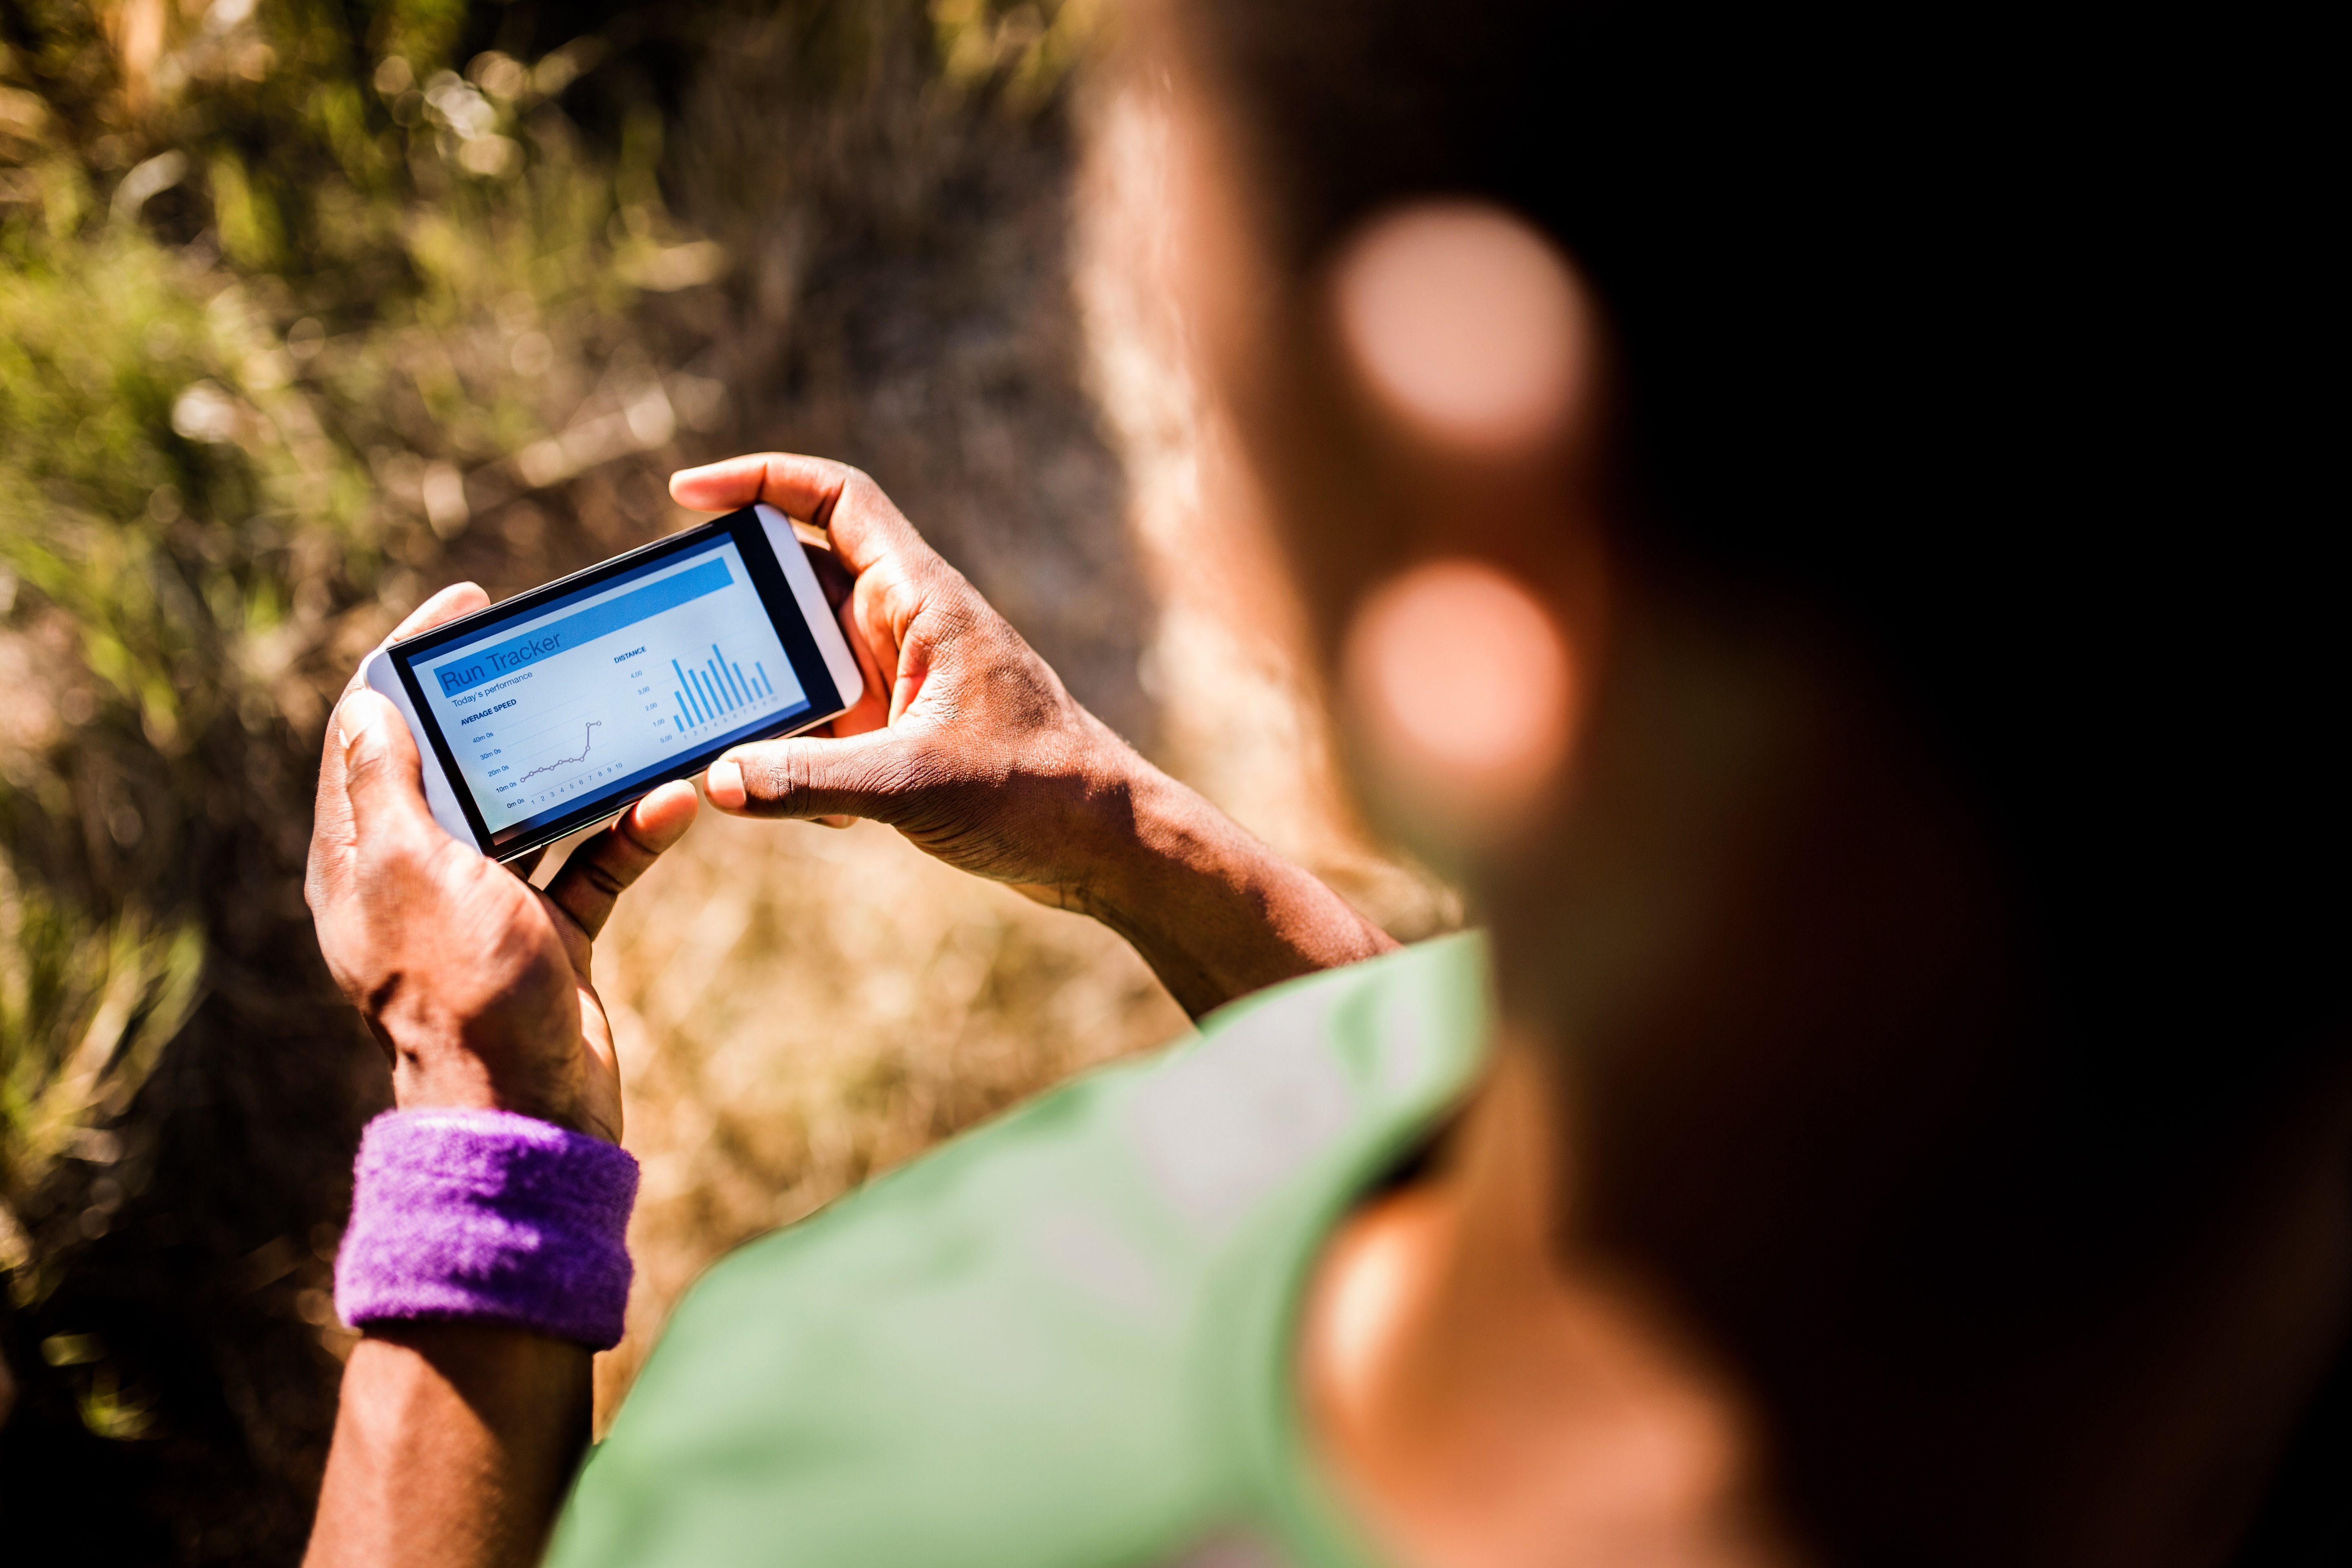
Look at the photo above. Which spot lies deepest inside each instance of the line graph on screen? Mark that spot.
(587, 744)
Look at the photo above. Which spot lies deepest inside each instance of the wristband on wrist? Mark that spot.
(489, 1217)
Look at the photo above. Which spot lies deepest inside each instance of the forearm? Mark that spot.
(1215, 912)
(452, 1447)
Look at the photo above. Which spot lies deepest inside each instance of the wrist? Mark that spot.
(443, 1062)
(488, 1217)
(1134, 841)
(1144, 852)
(458, 1081)
(440, 1076)
(1214, 911)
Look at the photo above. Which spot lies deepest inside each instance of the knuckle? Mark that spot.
(803, 774)
(367, 766)
(600, 875)
(766, 775)
(900, 600)
(770, 776)
(962, 612)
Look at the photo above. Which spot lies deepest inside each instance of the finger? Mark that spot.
(914, 669)
(457, 599)
(799, 487)
(872, 709)
(382, 776)
(328, 824)
(865, 775)
(525, 865)
(832, 576)
(601, 869)
(862, 523)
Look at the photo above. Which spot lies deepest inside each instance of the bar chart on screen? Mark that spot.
(713, 692)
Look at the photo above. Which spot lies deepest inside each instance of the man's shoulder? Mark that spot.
(997, 1351)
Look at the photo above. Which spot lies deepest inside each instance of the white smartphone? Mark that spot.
(564, 706)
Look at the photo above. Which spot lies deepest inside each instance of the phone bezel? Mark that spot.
(776, 585)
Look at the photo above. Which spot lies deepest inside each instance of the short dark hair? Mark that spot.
(1990, 340)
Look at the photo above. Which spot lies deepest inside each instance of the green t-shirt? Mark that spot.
(1062, 1341)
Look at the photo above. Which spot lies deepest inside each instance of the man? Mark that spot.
(1902, 1114)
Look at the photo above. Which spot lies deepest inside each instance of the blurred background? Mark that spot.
(310, 306)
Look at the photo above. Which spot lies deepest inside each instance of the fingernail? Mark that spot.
(724, 785)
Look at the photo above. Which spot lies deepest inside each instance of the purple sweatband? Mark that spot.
(488, 1216)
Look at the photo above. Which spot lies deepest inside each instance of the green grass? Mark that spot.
(285, 302)
(274, 304)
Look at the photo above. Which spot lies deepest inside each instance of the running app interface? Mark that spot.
(601, 689)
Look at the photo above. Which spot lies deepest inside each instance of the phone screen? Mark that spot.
(593, 689)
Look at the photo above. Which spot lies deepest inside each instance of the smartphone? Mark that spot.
(564, 706)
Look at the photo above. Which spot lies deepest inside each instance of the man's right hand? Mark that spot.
(982, 758)
(966, 742)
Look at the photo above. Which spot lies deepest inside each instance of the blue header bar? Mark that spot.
(505, 657)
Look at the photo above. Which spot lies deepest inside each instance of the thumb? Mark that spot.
(382, 775)
(871, 776)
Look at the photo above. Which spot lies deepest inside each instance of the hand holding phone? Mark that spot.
(988, 762)
(476, 983)
(969, 743)
(561, 707)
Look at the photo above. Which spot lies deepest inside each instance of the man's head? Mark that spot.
(1801, 517)
(1920, 356)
